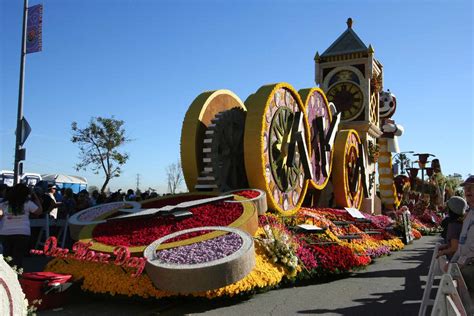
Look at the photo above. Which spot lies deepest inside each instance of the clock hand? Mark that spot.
(168, 209)
(362, 164)
(333, 128)
(303, 150)
(359, 170)
(297, 139)
(320, 125)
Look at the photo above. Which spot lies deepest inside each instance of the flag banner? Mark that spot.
(34, 28)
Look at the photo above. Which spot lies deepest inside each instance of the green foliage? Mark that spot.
(98, 144)
(403, 160)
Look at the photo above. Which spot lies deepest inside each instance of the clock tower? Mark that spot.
(352, 78)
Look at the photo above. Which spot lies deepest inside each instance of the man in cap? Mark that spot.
(464, 256)
(53, 204)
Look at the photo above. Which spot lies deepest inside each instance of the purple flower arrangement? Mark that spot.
(378, 252)
(380, 221)
(201, 252)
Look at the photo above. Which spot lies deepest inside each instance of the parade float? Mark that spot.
(282, 188)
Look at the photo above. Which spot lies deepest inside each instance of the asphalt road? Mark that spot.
(391, 286)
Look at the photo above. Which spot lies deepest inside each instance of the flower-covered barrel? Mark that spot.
(256, 196)
(202, 266)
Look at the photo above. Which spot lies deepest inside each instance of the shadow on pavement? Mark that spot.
(398, 302)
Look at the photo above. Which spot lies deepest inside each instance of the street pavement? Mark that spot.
(393, 285)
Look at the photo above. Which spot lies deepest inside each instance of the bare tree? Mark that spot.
(174, 174)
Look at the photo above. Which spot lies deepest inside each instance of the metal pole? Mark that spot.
(20, 95)
(401, 163)
(422, 180)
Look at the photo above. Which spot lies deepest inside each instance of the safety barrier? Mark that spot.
(46, 223)
(452, 297)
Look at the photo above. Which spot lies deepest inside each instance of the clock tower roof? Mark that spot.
(348, 42)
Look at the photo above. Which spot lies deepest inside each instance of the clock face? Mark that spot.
(347, 177)
(348, 99)
(319, 118)
(276, 162)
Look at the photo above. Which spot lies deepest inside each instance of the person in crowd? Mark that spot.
(15, 223)
(68, 206)
(456, 209)
(53, 204)
(115, 197)
(83, 200)
(145, 195)
(464, 255)
(3, 191)
(102, 198)
(130, 195)
(94, 197)
(58, 195)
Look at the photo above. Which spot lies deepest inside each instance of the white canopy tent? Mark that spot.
(76, 183)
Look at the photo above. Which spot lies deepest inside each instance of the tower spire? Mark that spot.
(349, 23)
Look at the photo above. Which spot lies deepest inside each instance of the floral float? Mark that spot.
(282, 253)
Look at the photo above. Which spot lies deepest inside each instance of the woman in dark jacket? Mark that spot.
(456, 209)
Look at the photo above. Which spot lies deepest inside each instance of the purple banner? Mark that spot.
(34, 29)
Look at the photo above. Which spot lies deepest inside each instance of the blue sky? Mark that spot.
(145, 61)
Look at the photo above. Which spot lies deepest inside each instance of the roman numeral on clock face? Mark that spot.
(326, 141)
(297, 139)
(359, 171)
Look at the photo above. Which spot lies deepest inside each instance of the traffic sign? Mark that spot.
(25, 131)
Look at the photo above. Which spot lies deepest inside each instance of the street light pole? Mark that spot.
(422, 161)
(16, 169)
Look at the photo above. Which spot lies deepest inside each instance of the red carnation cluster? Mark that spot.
(139, 232)
(335, 258)
(249, 194)
(328, 259)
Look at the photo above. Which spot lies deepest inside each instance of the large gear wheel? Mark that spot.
(223, 152)
(196, 124)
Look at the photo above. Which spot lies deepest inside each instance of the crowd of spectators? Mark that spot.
(19, 204)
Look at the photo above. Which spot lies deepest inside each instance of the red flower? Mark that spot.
(249, 194)
(140, 232)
